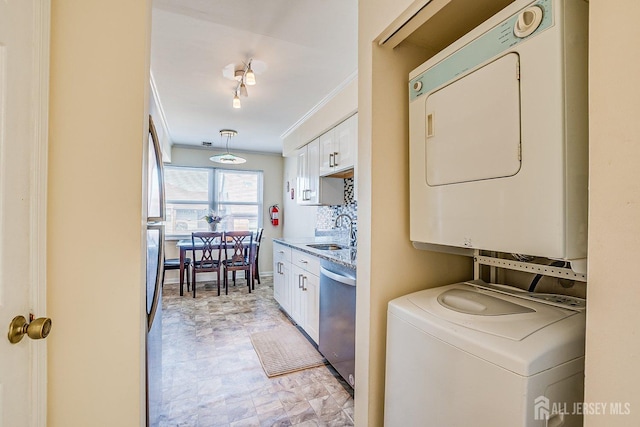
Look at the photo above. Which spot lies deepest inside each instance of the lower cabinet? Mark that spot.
(296, 287)
(282, 275)
(298, 310)
(311, 290)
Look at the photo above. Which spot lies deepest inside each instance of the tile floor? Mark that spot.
(211, 373)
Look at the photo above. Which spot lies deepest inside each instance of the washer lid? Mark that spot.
(486, 311)
(471, 302)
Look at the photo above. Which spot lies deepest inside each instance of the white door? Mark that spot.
(24, 41)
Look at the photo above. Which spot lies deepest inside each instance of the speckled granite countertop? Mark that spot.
(345, 257)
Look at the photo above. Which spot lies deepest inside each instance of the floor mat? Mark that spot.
(284, 350)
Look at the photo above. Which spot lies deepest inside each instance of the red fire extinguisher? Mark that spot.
(273, 213)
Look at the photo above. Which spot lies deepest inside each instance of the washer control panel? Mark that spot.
(561, 300)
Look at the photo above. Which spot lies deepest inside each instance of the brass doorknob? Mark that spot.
(37, 329)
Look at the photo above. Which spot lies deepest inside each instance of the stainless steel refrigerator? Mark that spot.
(155, 271)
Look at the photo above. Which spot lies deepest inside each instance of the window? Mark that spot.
(192, 192)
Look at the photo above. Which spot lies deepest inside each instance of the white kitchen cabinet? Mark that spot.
(302, 178)
(296, 287)
(311, 189)
(338, 147)
(282, 275)
(306, 292)
(298, 311)
(311, 291)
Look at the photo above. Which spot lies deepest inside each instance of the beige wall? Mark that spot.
(613, 317)
(95, 264)
(383, 193)
(614, 229)
(98, 79)
(270, 164)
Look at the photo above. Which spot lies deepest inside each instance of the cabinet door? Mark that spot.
(286, 287)
(298, 310)
(346, 144)
(311, 291)
(302, 185)
(313, 172)
(280, 290)
(327, 149)
(282, 275)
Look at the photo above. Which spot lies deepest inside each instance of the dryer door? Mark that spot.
(473, 125)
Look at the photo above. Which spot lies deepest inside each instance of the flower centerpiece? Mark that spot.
(213, 219)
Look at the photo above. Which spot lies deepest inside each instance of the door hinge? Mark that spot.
(518, 70)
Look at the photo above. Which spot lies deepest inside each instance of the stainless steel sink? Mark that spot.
(327, 246)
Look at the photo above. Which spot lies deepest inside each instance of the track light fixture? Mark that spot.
(245, 77)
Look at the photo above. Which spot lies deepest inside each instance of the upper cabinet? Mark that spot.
(338, 147)
(313, 190)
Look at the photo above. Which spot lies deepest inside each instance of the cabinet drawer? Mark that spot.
(307, 262)
(281, 253)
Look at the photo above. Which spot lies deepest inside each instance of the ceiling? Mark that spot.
(303, 50)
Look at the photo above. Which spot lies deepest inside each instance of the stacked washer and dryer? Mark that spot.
(498, 164)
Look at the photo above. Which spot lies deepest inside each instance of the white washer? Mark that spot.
(476, 354)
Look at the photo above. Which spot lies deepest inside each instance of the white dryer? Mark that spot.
(477, 354)
(499, 135)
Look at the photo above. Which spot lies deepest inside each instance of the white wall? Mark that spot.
(272, 167)
(333, 110)
(613, 294)
(300, 221)
(388, 265)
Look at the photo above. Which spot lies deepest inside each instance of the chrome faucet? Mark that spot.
(353, 237)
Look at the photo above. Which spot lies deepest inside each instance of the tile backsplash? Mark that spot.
(326, 215)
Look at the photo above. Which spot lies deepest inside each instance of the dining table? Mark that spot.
(185, 245)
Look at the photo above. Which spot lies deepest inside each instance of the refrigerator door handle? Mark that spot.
(159, 277)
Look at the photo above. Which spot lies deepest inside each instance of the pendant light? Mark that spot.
(227, 157)
(249, 76)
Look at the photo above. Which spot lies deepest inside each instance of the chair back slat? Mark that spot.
(237, 245)
(208, 245)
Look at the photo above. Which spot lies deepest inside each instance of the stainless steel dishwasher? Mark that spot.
(338, 318)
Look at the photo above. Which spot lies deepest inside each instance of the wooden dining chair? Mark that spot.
(174, 264)
(236, 243)
(206, 255)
